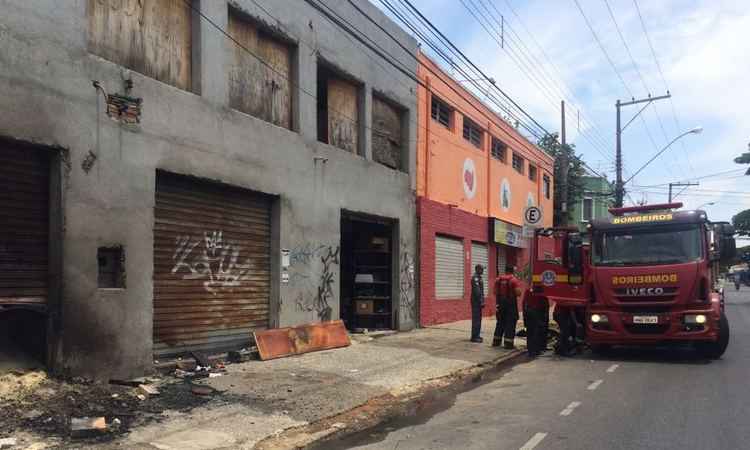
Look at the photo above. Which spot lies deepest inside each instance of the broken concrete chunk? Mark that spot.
(7, 443)
(148, 389)
(85, 426)
(214, 375)
(199, 389)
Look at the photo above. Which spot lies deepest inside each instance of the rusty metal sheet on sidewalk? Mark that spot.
(281, 342)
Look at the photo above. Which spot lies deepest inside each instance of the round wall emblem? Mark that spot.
(505, 195)
(469, 178)
(548, 278)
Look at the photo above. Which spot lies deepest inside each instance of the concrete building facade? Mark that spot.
(476, 174)
(203, 170)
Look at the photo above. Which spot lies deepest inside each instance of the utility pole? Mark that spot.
(619, 185)
(564, 163)
(686, 185)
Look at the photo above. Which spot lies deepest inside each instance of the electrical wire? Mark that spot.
(664, 80)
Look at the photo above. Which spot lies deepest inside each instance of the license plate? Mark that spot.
(645, 319)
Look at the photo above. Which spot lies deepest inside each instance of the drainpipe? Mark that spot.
(428, 119)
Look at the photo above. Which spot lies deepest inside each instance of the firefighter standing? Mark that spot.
(477, 304)
(536, 339)
(507, 291)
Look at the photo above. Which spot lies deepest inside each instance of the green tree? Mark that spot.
(552, 146)
(741, 223)
(744, 159)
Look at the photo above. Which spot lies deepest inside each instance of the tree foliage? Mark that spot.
(552, 146)
(744, 159)
(741, 223)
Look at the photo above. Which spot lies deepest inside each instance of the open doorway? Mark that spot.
(23, 340)
(366, 273)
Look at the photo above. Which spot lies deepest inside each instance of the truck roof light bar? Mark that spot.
(644, 208)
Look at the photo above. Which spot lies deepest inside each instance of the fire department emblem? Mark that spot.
(548, 278)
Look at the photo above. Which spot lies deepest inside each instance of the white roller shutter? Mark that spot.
(449, 268)
(479, 256)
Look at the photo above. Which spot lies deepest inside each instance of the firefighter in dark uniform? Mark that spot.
(477, 304)
(508, 289)
(536, 339)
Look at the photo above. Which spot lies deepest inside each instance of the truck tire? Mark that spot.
(714, 350)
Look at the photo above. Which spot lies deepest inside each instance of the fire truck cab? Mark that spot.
(647, 275)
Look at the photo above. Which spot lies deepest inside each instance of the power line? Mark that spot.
(614, 68)
(638, 71)
(302, 89)
(664, 80)
(594, 126)
(517, 54)
(712, 175)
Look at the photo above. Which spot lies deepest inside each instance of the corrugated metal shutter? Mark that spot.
(24, 227)
(449, 268)
(479, 256)
(502, 259)
(212, 265)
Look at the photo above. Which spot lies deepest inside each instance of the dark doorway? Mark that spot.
(366, 273)
(23, 340)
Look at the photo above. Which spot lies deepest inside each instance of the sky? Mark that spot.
(550, 54)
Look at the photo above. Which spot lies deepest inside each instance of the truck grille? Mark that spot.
(627, 295)
(647, 328)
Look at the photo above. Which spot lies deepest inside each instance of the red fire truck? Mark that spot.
(646, 275)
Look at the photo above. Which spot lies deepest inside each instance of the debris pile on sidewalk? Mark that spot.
(33, 403)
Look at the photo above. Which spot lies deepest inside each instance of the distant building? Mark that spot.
(594, 203)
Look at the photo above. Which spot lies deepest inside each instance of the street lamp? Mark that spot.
(696, 130)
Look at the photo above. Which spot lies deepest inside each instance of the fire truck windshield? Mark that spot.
(648, 246)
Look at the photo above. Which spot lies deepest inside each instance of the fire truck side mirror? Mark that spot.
(727, 246)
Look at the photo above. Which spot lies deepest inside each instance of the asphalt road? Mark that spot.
(629, 399)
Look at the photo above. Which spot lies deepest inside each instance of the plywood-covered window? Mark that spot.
(152, 37)
(499, 150)
(338, 110)
(259, 85)
(472, 133)
(387, 133)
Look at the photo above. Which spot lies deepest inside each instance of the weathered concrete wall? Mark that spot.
(46, 96)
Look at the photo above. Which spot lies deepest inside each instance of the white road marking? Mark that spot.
(534, 441)
(612, 368)
(595, 385)
(570, 408)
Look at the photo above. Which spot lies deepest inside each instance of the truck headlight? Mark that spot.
(695, 319)
(599, 318)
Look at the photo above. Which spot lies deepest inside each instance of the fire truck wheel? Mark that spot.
(714, 350)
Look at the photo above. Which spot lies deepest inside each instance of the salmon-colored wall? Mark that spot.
(442, 153)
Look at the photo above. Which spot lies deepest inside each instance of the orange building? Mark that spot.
(475, 176)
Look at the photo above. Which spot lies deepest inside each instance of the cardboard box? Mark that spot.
(365, 306)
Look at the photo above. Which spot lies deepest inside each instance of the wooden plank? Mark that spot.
(387, 138)
(343, 114)
(281, 342)
(152, 37)
(261, 88)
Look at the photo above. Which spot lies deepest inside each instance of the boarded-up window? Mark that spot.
(259, 86)
(152, 37)
(338, 111)
(387, 135)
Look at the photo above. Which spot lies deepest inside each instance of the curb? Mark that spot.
(381, 408)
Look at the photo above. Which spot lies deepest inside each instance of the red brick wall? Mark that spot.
(436, 218)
